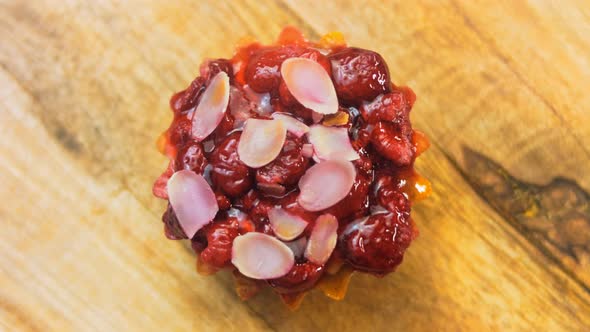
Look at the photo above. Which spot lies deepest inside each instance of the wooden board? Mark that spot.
(502, 92)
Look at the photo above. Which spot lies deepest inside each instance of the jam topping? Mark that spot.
(292, 165)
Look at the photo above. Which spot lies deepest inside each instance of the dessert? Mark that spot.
(292, 165)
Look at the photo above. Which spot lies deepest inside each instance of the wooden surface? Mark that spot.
(502, 92)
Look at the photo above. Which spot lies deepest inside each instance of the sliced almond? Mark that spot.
(260, 256)
(322, 240)
(261, 141)
(293, 125)
(211, 108)
(310, 84)
(325, 184)
(331, 143)
(192, 199)
(307, 150)
(286, 226)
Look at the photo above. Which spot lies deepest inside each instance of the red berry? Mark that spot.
(172, 228)
(392, 107)
(393, 142)
(388, 194)
(191, 157)
(287, 168)
(263, 71)
(259, 215)
(210, 68)
(228, 173)
(377, 243)
(359, 74)
(225, 127)
(187, 99)
(220, 235)
(301, 277)
(180, 130)
(222, 201)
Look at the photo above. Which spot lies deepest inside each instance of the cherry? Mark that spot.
(359, 74)
(220, 235)
(287, 168)
(228, 173)
(180, 130)
(191, 157)
(263, 70)
(187, 99)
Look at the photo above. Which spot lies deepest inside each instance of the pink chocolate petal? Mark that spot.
(212, 107)
(310, 84)
(331, 143)
(261, 141)
(293, 125)
(325, 184)
(261, 256)
(322, 240)
(285, 225)
(192, 199)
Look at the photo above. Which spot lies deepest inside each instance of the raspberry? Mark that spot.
(287, 168)
(392, 107)
(377, 243)
(302, 277)
(228, 173)
(359, 74)
(392, 141)
(172, 227)
(191, 157)
(220, 235)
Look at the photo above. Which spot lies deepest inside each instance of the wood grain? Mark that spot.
(501, 92)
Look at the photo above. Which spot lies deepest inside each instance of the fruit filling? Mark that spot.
(292, 165)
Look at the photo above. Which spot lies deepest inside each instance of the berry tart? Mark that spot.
(291, 165)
